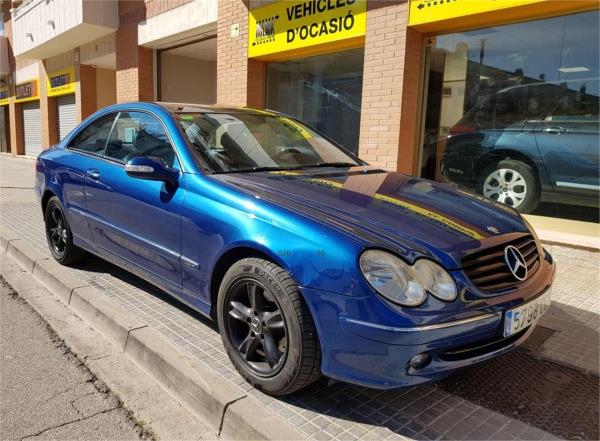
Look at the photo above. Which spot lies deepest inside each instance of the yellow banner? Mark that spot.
(61, 82)
(27, 91)
(441, 15)
(304, 27)
(3, 96)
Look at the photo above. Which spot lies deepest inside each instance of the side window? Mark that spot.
(139, 134)
(93, 138)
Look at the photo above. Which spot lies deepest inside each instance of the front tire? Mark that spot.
(59, 236)
(511, 182)
(266, 327)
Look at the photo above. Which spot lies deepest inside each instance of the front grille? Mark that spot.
(488, 270)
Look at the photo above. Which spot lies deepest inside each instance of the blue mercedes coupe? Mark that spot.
(312, 262)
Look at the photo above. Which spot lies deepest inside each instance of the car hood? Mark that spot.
(409, 215)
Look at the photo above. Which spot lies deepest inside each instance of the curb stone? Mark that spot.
(24, 254)
(57, 279)
(102, 314)
(223, 406)
(6, 236)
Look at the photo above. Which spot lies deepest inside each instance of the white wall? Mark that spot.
(187, 80)
(192, 18)
(59, 25)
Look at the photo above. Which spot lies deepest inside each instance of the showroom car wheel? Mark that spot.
(266, 327)
(512, 183)
(59, 236)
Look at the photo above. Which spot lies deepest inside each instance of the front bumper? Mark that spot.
(360, 350)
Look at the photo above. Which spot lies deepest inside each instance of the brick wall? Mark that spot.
(85, 94)
(48, 113)
(134, 63)
(390, 100)
(239, 81)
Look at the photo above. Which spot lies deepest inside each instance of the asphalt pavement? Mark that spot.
(46, 391)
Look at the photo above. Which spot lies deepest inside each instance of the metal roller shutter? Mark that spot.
(67, 115)
(32, 128)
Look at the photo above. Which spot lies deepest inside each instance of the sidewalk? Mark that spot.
(568, 334)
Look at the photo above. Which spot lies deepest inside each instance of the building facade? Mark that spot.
(446, 89)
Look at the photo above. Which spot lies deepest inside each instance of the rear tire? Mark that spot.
(266, 327)
(59, 236)
(511, 182)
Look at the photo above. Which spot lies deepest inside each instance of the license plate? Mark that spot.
(519, 318)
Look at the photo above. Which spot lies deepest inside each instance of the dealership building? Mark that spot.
(424, 87)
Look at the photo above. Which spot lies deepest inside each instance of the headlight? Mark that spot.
(436, 279)
(392, 278)
(404, 284)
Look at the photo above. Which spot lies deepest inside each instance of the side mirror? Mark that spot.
(152, 169)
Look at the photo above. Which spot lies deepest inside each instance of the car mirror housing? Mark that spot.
(152, 169)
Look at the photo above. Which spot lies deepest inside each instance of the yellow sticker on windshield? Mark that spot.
(296, 130)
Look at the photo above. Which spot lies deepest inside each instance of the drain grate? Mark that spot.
(552, 397)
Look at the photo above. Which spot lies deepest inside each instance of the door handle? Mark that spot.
(555, 130)
(92, 173)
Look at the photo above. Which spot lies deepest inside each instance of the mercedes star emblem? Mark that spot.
(515, 262)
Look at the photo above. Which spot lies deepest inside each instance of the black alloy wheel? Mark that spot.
(57, 228)
(59, 236)
(267, 328)
(256, 327)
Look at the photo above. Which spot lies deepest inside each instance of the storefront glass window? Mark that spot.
(512, 114)
(324, 91)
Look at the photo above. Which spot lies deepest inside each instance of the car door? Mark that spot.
(569, 149)
(137, 220)
(84, 152)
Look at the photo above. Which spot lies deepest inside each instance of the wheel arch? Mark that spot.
(228, 258)
(46, 196)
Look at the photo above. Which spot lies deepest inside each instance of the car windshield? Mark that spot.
(246, 142)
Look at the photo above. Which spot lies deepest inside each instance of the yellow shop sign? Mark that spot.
(287, 29)
(61, 82)
(3, 96)
(444, 15)
(27, 91)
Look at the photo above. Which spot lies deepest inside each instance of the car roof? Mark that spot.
(202, 108)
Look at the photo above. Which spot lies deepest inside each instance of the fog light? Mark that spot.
(419, 361)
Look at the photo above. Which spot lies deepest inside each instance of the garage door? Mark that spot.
(66, 115)
(32, 128)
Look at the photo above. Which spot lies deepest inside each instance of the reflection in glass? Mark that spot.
(324, 91)
(512, 113)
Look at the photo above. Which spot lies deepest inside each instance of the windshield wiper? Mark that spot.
(295, 167)
(261, 169)
(332, 164)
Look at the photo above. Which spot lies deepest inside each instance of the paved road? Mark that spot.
(46, 392)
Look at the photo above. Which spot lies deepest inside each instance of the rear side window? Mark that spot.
(139, 134)
(93, 138)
